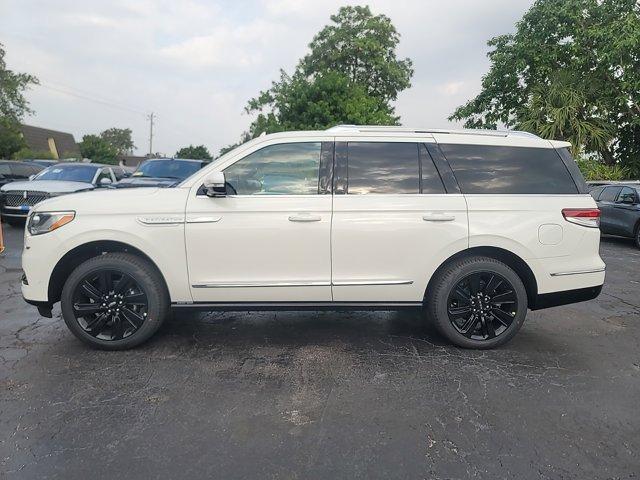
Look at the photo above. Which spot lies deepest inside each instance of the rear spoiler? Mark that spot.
(557, 144)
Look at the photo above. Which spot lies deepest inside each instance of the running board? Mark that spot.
(297, 306)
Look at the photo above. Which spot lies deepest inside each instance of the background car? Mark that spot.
(16, 171)
(60, 179)
(620, 209)
(161, 172)
(43, 163)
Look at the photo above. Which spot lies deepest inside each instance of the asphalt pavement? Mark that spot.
(326, 395)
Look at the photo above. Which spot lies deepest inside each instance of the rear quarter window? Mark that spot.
(508, 170)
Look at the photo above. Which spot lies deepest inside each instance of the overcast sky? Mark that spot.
(195, 63)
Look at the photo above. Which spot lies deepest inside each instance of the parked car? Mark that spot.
(620, 209)
(43, 163)
(473, 228)
(161, 172)
(19, 197)
(11, 171)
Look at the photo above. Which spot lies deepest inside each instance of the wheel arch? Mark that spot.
(85, 251)
(507, 257)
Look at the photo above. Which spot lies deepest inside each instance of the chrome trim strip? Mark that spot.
(261, 284)
(578, 272)
(204, 219)
(371, 282)
(160, 220)
(301, 284)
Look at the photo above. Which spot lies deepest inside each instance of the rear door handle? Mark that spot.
(305, 218)
(438, 217)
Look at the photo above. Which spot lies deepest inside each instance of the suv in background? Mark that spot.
(17, 171)
(161, 172)
(471, 227)
(619, 205)
(60, 179)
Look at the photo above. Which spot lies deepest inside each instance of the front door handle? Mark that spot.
(438, 217)
(305, 218)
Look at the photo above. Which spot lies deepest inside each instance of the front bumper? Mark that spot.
(44, 308)
(14, 212)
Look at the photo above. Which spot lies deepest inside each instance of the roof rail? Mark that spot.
(401, 129)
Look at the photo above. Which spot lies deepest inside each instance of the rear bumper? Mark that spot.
(555, 299)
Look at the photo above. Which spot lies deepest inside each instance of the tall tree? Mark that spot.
(98, 149)
(199, 152)
(13, 106)
(597, 44)
(350, 75)
(119, 138)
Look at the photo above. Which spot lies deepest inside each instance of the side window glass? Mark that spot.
(285, 169)
(104, 173)
(383, 167)
(23, 171)
(5, 171)
(431, 181)
(627, 195)
(609, 194)
(595, 193)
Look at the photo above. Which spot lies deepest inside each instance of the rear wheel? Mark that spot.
(477, 302)
(637, 237)
(115, 301)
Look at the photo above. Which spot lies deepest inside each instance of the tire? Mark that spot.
(452, 305)
(136, 307)
(637, 237)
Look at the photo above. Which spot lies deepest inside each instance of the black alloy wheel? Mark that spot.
(109, 305)
(482, 305)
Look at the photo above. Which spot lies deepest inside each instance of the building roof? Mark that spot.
(37, 139)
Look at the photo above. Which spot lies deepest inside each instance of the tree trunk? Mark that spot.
(607, 156)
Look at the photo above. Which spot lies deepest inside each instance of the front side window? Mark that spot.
(284, 169)
(627, 195)
(383, 167)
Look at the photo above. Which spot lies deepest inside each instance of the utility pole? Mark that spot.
(150, 118)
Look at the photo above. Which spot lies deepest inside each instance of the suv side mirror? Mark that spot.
(105, 181)
(215, 185)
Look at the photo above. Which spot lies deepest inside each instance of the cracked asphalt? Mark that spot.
(325, 395)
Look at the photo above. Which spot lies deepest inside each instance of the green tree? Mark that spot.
(245, 137)
(199, 152)
(13, 106)
(350, 75)
(596, 43)
(120, 139)
(98, 149)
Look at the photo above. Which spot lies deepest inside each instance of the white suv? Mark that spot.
(473, 227)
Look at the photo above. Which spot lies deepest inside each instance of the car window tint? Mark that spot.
(5, 171)
(508, 170)
(21, 170)
(383, 167)
(627, 195)
(104, 173)
(609, 194)
(284, 169)
(431, 181)
(595, 193)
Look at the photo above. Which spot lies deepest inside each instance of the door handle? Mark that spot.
(438, 217)
(305, 218)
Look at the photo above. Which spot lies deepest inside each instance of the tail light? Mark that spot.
(587, 217)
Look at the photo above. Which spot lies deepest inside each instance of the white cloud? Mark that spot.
(197, 62)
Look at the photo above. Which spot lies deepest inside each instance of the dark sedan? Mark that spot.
(620, 210)
(16, 171)
(161, 172)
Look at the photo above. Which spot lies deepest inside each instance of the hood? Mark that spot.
(146, 182)
(124, 201)
(49, 186)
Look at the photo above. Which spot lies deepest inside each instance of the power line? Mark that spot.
(92, 99)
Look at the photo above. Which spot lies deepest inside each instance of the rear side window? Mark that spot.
(22, 170)
(379, 167)
(595, 193)
(609, 194)
(508, 170)
(627, 195)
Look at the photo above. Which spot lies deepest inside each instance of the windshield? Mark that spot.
(70, 173)
(167, 169)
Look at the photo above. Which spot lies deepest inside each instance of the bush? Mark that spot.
(28, 154)
(593, 169)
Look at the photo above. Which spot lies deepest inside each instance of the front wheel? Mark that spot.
(114, 301)
(637, 238)
(477, 302)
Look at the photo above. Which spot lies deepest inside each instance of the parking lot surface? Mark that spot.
(325, 395)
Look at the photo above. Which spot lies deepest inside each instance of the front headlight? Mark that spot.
(45, 222)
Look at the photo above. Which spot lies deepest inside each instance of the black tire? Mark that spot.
(149, 286)
(637, 237)
(444, 301)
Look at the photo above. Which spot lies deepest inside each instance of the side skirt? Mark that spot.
(297, 306)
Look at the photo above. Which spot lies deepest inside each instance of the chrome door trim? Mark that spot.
(204, 219)
(261, 284)
(160, 220)
(359, 283)
(579, 272)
